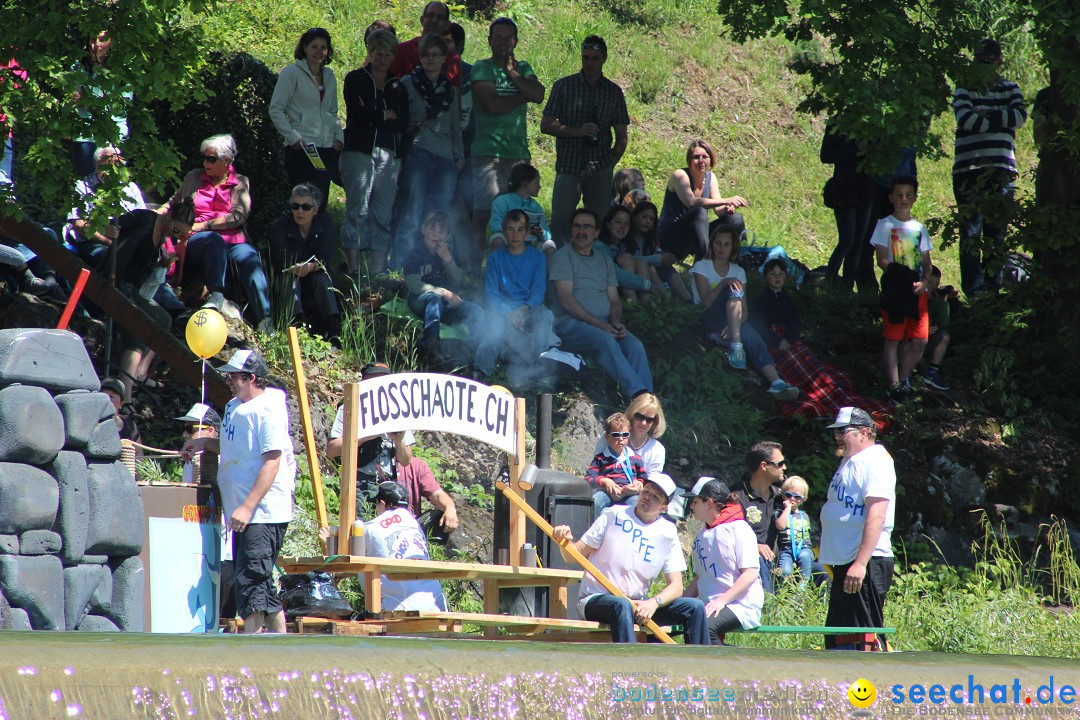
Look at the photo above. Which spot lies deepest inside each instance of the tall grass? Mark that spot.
(1005, 605)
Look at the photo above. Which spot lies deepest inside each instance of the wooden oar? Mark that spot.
(575, 553)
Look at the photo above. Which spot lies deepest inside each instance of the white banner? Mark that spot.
(437, 403)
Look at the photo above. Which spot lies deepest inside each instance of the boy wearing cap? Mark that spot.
(856, 528)
(725, 557)
(199, 422)
(395, 533)
(257, 476)
(632, 546)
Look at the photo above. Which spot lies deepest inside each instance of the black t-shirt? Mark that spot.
(759, 511)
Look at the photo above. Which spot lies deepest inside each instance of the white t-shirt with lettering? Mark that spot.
(719, 554)
(630, 553)
(249, 429)
(867, 473)
(396, 534)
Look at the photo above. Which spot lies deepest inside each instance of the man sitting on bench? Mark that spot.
(631, 546)
(395, 533)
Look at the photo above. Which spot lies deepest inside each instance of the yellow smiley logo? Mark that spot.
(862, 693)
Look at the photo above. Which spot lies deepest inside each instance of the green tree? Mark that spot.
(155, 56)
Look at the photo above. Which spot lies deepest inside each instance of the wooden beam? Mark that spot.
(349, 455)
(98, 290)
(577, 556)
(309, 434)
(517, 467)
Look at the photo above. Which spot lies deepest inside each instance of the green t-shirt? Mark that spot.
(938, 309)
(505, 135)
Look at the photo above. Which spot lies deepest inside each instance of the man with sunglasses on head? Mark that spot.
(586, 113)
(856, 530)
(257, 476)
(202, 421)
(760, 497)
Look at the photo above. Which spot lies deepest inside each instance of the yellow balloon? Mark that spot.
(500, 388)
(206, 333)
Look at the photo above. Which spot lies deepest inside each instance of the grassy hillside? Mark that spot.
(683, 76)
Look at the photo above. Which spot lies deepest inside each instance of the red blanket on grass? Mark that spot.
(824, 388)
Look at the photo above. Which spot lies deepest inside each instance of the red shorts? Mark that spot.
(912, 328)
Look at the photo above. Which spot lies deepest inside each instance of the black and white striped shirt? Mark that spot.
(987, 140)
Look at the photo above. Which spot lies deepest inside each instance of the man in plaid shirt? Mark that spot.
(582, 112)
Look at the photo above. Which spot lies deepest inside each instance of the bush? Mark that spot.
(239, 104)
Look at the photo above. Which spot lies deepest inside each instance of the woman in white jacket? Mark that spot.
(304, 109)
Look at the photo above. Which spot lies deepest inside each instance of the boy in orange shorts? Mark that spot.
(903, 250)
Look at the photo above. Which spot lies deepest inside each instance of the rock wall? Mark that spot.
(71, 518)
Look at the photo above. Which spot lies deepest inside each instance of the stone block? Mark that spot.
(31, 426)
(71, 475)
(97, 623)
(53, 359)
(101, 600)
(35, 584)
(39, 542)
(116, 525)
(5, 613)
(104, 443)
(82, 584)
(82, 411)
(128, 602)
(9, 544)
(29, 498)
(20, 620)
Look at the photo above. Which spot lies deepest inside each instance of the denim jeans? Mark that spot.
(370, 183)
(757, 353)
(806, 563)
(765, 568)
(427, 183)
(619, 614)
(623, 359)
(601, 501)
(209, 251)
(521, 347)
(434, 310)
(981, 197)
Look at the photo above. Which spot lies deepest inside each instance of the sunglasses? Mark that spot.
(210, 158)
(776, 463)
(301, 206)
(619, 435)
(794, 496)
(644, 418)
(197, 428)
(841, 431)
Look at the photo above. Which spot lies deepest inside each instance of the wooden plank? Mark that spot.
(517, 466)
(494, 619)
(349, 454)
(491, 605)
(578, 557)
(173, 353)
(305, 423)
(373, 592)
(436, 568)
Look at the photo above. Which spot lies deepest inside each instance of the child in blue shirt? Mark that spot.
(524, 186)
(793, 540)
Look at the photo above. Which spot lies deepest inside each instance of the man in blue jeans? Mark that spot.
(632, 546)
(588, 312)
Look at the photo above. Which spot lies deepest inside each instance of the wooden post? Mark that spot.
(305, 422)
(349, 452)
(517, 466)
(576, 555)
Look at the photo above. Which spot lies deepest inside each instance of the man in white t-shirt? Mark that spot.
(395, 533)
(631, 547)
(257, 476)
(203, 421)
(725, 556)
(856, 526)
